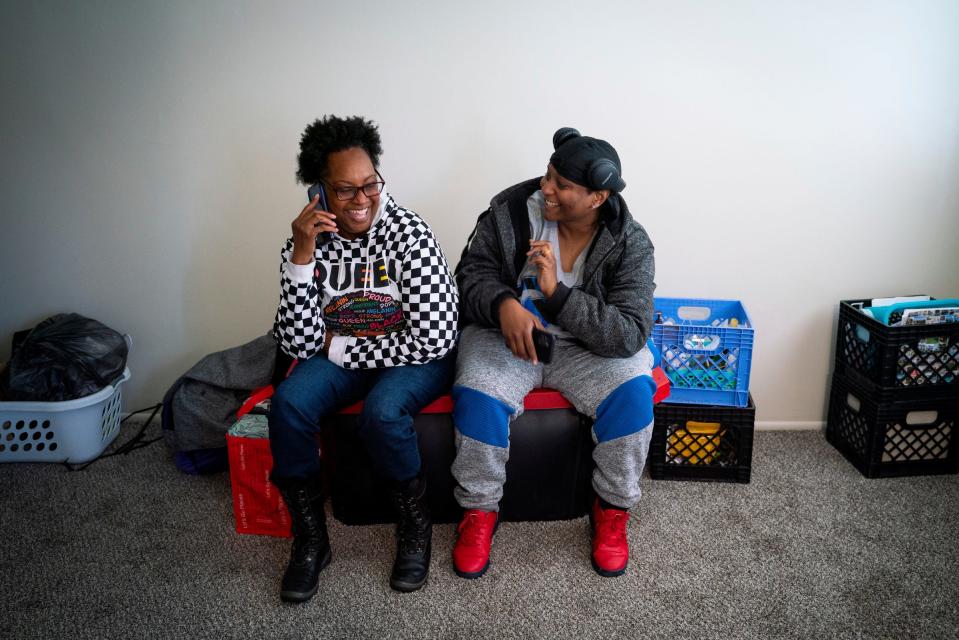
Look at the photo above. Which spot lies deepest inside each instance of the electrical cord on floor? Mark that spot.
(131, 445)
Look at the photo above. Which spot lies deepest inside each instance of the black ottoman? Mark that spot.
(547, 476)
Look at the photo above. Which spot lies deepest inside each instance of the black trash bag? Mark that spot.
(65, 357)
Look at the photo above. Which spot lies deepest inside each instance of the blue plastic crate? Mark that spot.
(705, 347)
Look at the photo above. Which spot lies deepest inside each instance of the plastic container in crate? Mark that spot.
(912, 361)
(705, 348)
(698, 442)
(883, 436)
(72, 431)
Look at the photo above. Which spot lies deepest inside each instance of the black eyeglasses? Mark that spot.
(369, 189)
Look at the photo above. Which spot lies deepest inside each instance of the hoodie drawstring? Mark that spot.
(368, 273)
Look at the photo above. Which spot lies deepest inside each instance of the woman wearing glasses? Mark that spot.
(369, 309)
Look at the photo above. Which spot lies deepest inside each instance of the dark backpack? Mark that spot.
(201, 405)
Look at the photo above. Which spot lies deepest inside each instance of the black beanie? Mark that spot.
(574, 159)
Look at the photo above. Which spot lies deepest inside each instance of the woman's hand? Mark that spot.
(541, 255)
(516, 325)
(310, 223)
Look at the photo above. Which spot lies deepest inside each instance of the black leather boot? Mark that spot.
(311, 543)
(414, 535)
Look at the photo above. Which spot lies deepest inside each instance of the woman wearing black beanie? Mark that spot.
(556, 285)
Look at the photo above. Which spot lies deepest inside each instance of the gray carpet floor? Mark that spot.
(132, 548)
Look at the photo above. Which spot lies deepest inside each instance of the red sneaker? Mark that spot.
(610, 547)
(471, 551)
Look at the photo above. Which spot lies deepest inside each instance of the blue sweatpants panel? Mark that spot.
(481, 417)
(628, 409)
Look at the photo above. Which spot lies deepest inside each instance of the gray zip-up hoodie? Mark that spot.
(610, 313)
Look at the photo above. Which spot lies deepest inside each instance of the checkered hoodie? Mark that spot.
(401, 240)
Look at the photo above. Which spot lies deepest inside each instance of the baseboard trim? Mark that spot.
(776, 425)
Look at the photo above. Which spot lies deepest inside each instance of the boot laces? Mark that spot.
(411, 513)
(303, 548)
(306, 528)
(611, 527)
(411, 525)
(474, 530)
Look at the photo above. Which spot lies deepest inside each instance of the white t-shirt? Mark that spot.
(543, 229)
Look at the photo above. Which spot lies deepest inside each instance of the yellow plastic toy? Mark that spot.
(697, 443)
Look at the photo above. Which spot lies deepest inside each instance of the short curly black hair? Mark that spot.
(330, 134)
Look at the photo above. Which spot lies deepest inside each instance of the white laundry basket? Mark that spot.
(71, 431)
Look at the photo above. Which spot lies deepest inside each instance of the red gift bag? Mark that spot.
(258, 507)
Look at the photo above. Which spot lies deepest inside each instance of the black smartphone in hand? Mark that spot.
(318, 189)
(543, 342)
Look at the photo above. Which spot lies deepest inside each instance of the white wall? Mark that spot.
(788, 154)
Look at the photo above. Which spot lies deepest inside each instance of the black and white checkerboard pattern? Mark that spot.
(429, 296)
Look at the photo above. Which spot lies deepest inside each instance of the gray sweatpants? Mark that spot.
(491, 384)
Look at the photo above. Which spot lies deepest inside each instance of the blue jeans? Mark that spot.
(391, 399)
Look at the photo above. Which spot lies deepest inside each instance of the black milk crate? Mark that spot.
(912, 362)
(883, 436)
(702, 442)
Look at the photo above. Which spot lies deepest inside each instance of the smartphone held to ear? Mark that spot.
(543, 342)
(317, 189)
